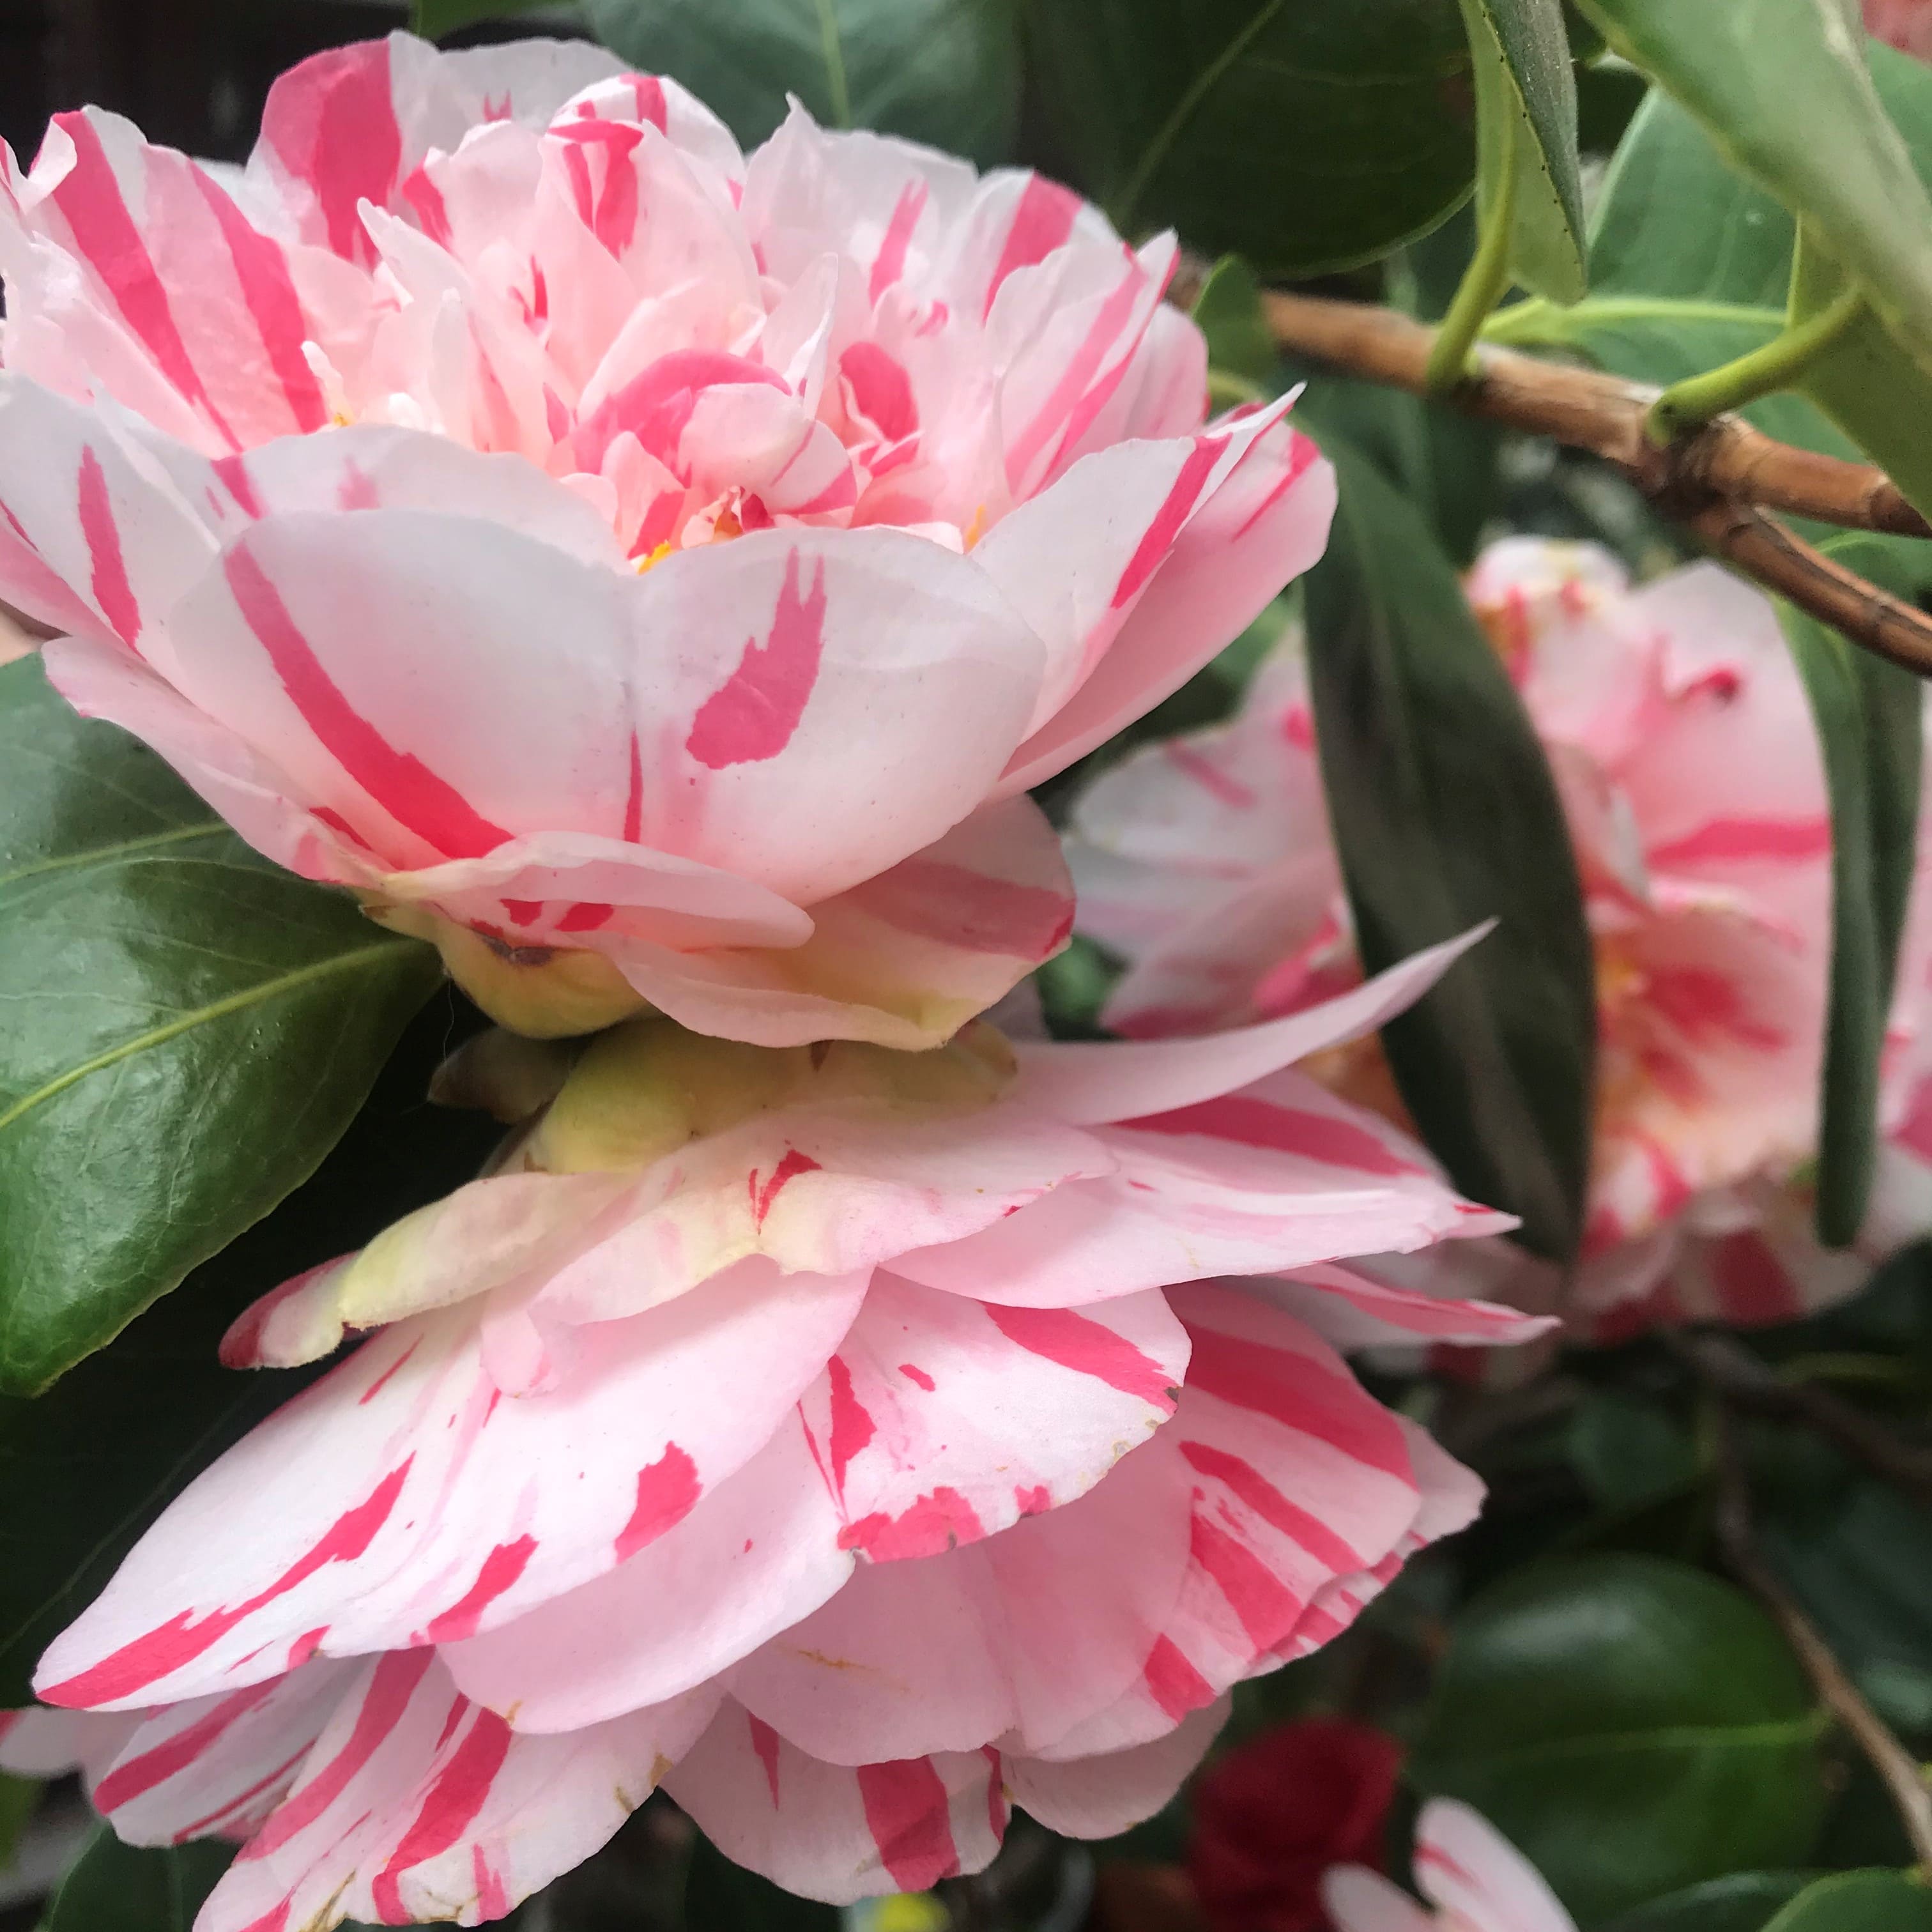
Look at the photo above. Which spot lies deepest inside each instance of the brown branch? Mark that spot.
(1603, 414)
(1748, 1383)
(1719, 482)
(1895, 1764)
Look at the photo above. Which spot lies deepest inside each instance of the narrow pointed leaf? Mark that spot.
(189, 1030)
(1868, 715)
(1860, 1901)
(1526, 129)
(1445, 814)
(115, 1888)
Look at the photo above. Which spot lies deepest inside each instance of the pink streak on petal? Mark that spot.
(1299, 1393)
(931, 899)
(181, 1639)
(667, 1491)
(1159, 538)
(1791, 841)
(269, 291)
(1208, 775)
(112, 591)
(908, 1812)
(1041, 223)
(501, 1568)
(915, 1375)
(650, 97)
(1174, 1683)
(655, 404)
(1259, 1123)
(233, 471)
(1076, 398)
(139, 1775)
(753, 716)
(889, 264)
(1272, 1507)
(452, 1807)
(106, 235)
(1265, 1605)
(493, 1900)
(881, 389)
(852, 1425)
(390, 1688)
(331, 122)
(432, 215)
(400, 783)
(765, 1743)
(1087, 1347)
(934, 1523)
(791, 1164)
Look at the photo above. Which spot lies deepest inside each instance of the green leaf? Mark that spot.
(85, 1469)
(1304, 137)
(1862, 1901)
(1782, 86)
(1526, 138)
(1632, 1725)
(433, 19)
(1445, 814)
(189, 1030)
(1240, 343)
(1867, 713)
(115, 1888)
(946, 72)
(20, 1798)
(1743, 1902)
(1627, 1452)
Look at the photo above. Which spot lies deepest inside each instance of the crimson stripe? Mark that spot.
(454, 1803)
(269, 291)
(399, 782)
(501, 1568)
(1252, 1123)
(1174, 1683)
(331, 123)
(1266, 1606)
(888, 264)
(1042, 222)
(1251, 1487)
(910, 1817)
(280, 1773)
(137, 1776)
(1087, 1347)
(112, 590)
(392, 1685)
(1299, 1393)
(1158, 538)
(1790, 840)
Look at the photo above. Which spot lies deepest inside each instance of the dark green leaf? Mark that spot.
(85, 1468)
(19, 1797)
(114, 1888)
(1228, 311)
(1781, 85)
(1864, 1901)
(189, 1030)
(1741, 1903)
(1627, 1452)
(1526, 137)
(433, 19)
(1866, 712)
(1445, 814)
(946, 72)
(1632, 1726)
(1303, 137)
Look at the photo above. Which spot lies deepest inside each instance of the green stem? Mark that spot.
(1484, 282)
(1690, 404)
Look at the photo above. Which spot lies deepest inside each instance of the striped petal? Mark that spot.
(416, 1804)
(406, 1498)
(835, 1832)
(1276, 1177)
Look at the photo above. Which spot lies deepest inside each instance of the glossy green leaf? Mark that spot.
(1445, 814)
(1303, 137)
(189, 1029)
(1743, 1902)
(1782, 87)
(115, 1888)
(433, 19)
(946, 72)
(1627, 1452)
(1632, 1725)
(1526, 138)
(1866, 712)
(86, 1468)
(1229, 314)
(1862, 1901)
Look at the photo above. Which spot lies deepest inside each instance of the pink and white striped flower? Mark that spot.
(853, 1441)
(1477, 1880)
(1683, 747)
(655, 574)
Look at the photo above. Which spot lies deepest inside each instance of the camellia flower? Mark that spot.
(1684, 749)
(1272, 1817)
(655, 576)
(1476, 1879)
(853, 1441)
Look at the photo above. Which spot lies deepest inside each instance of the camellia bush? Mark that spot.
(971, 960)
